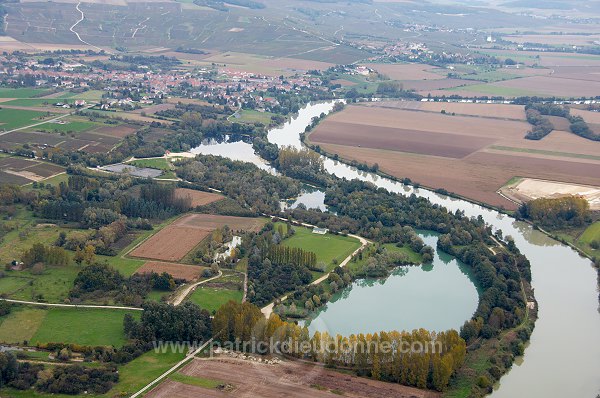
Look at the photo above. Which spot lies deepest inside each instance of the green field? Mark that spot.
(141, 371)
(86, 326)
(23, 234)
(212, 299)
(158, 163)
(15, 118)
(328, 247)
(90, 95)
(21, 324)
(591, 234)
(252, 116)
(29, 102)
(71, 125)
(414, 257)
(21, 92)
(52, 286)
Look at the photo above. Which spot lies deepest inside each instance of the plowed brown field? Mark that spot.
(473, 156)
(198, 198)
(176, 240)
(288, 379)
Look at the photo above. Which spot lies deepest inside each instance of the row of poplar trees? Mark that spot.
(419, 358)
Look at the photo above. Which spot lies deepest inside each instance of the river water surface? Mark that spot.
(563, 358)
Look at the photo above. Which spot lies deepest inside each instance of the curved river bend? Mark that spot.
(563, 358)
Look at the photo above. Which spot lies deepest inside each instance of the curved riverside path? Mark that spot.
(268, 309)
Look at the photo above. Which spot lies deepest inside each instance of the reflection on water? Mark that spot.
(235, 150)
(311, 198)
(438, 297)
(555, 364)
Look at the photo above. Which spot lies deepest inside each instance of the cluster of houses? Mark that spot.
(231, 86)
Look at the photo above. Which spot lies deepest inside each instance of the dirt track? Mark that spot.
(289, 379)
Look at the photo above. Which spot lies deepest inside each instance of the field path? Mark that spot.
(47, 121)
(174, 368)
(107, 307)
(268, 309)
(178, 299)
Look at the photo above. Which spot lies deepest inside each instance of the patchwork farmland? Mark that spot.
(176, 240)
(472, 154)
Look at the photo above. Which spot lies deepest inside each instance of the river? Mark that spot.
(563, 357)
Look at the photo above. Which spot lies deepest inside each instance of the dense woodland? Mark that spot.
(568, 211)
(273, 269)
(70, 379)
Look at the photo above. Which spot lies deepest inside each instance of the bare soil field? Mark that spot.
(559, 123)
(117, 131)
(154, 108)
(407, 71)
(198, 198)
(86, 141)
(573, 40)
(394, 139)
(177, 239)
(15, 170)
(178, 271)
(588, 116)
(424, 86)
(554, 86)
(529, 188)
(212, 222)
(494, 150)
(589, 73)
(378, 115)
(460, 108)
(288, 379)
(171, 243)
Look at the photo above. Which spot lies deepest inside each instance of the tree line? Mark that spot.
(419, 358)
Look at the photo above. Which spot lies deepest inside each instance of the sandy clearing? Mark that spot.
(529, 188)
